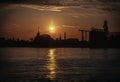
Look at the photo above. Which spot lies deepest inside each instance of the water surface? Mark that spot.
(59, 64)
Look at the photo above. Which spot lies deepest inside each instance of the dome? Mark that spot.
(45, 36)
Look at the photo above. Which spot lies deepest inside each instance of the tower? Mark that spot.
(105, 26)
(64, 35)
(38, 33)
(60, 37)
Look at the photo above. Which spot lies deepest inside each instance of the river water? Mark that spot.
(59, 65)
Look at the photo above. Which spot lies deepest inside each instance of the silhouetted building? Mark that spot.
(105, 26)
(98, 37)
(60, 38)
(114, 39)
(2, 41)
(71, 42)
(37, 38)
(64, 35)
(43, 40)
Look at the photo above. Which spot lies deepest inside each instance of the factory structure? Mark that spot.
(100, 37)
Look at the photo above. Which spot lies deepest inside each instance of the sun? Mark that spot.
(51, 28)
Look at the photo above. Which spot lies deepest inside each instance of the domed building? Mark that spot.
(43, 40)
(46, 37)
(37, 38)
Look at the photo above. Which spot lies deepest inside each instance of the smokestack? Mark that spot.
(64, 35)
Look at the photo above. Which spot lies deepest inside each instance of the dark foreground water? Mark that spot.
(59, 65)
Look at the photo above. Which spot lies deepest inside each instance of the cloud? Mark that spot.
(110, 5)
(69, 26)
(108, 1)
(102, 5)
(35, 7)
(39, 2)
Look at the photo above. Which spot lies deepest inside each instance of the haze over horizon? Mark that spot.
(21, 18)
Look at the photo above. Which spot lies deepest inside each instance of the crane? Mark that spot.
(82, 33)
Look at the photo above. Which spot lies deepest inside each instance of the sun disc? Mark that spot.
(51, 28)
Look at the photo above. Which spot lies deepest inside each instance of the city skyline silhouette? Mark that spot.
(94, 38)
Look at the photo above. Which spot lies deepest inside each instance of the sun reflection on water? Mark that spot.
(51, 66)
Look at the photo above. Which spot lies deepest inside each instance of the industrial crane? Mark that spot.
(82, 33)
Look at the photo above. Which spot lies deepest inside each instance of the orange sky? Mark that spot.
(22, 20)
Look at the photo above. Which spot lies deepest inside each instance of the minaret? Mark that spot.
(38, 34)
(60, 37)
(105, 26)
(64, 35)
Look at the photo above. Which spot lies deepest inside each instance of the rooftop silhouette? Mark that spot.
(97, 38)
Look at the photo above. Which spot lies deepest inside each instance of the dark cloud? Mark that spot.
(111, 5)
(103, 5)
(108, 1)
(98, 5)
(39, 2)
(58, 2)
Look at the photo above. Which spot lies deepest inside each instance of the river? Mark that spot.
(59, 65)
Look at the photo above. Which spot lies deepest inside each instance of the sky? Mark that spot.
(22, 18)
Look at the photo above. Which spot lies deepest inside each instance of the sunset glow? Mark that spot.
(20, 20)
(51, 28)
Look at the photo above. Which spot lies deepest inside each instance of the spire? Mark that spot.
(60, 37)
(38, 34)
(64, 35)
(105, 26)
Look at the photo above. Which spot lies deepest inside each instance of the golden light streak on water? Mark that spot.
(51, 66)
